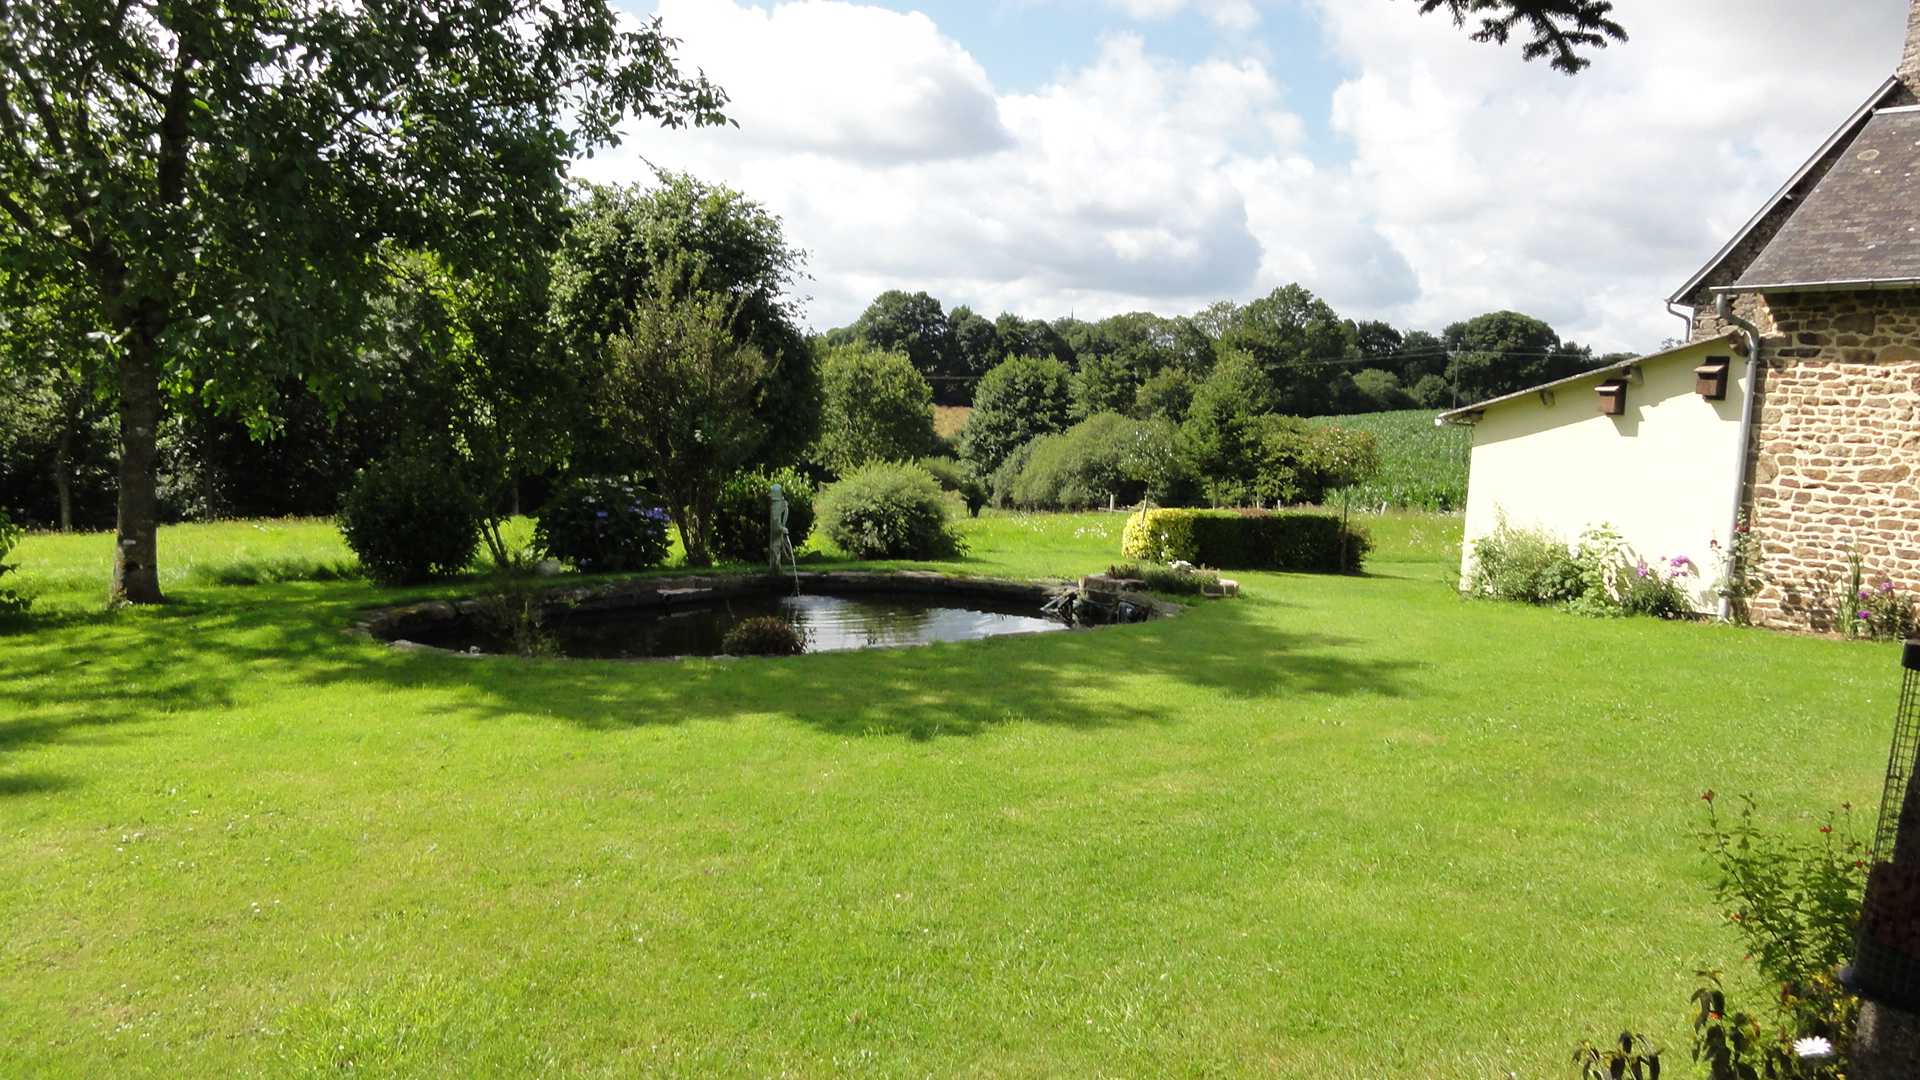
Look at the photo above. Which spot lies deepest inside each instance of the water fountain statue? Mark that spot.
(779, 541)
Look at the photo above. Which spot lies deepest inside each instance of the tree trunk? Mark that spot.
(136, 575)
(63, 473)
(693, 531)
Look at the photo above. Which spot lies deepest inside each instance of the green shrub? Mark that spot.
(11, 601)
(1525, 565)
(764, 635)
(1247, 540)
(1000, 482)
(1614, 580)
(1103, 458)
(1796, 900)
(889, 511)
(603, 525)
(954, 476)
(1178, 581)
(740, 521)
(410, 518)
(1601, 576)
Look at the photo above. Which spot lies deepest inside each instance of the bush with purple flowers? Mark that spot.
(1886, 612)
(603, 525)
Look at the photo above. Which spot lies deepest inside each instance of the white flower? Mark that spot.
(1813, 1048)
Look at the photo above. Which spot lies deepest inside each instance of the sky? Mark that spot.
(1092, 157)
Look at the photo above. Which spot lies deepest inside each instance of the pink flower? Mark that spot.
(1885, 587)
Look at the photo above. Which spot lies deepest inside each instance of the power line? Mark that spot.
(1423, 354)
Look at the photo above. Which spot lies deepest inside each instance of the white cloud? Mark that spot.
(1134, 182)
(841, 78)
(1588, 200)
(1226, 14)
(1475, 182)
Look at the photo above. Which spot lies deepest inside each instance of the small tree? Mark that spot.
(1345, 458)
(681, 387)
(1023, 398)
(876, 408)
(1222, 434)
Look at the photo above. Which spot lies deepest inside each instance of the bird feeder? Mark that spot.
(1886, 966)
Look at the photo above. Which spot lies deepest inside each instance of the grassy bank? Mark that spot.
(1346, 827)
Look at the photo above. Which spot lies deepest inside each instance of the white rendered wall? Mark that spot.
(1663, 475)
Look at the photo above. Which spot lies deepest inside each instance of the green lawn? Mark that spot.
(1345, 827)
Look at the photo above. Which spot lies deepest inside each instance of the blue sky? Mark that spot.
(1101, 156)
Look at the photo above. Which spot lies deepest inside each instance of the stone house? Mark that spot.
(1812, 313)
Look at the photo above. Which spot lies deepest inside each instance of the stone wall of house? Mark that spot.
(1836, 464)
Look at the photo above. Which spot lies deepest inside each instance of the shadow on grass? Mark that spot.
(31, 783)
(109, 677)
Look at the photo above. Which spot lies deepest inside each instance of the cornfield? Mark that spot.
(1422, 467)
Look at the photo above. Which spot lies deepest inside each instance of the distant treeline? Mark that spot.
(1317, 362)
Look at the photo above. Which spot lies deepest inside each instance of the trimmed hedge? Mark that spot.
(1245, 540)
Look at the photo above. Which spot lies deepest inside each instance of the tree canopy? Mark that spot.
(1024, 397)
(621, 236)
(220, 183)
(876, 407)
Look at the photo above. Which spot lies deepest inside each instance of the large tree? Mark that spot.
(622, 237)
(915, 325)
(1556, 30)
(1022, 399)
(1298, 342)
(1117, 355)
(221, 180)
(1503, 351)
(976, 348)
(875, 407)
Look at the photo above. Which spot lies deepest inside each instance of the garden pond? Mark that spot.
(665, 618)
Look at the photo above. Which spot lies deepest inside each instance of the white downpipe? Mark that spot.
(1750, 392)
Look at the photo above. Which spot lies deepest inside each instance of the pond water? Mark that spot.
(830, 623)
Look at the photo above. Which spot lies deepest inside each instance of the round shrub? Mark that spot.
(764, 635)
(740, 525)
(603, 525)
(410, 518)
(954, 476)
(889, 511)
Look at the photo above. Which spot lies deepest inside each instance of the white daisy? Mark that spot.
(1813, 1048)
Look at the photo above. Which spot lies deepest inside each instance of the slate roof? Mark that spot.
(1860, 225)
(1783, 201)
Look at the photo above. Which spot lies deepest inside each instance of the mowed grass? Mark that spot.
(1344, 827)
